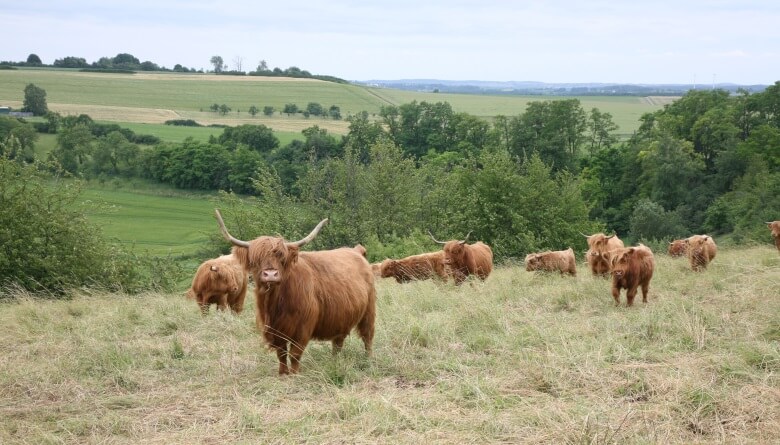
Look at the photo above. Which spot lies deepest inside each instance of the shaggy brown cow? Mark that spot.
(415, 267)
(303, 296)
(600, 248)
(462, 260)
(774, 226)
(631, 267)
(221, 281)
(560, 260)
(677, 248)
(701, 250)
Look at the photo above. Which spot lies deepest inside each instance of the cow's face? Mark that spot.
(388, 268)
(531, 262)
(621, 262)
(268, 258)
(454, 251)
(696, 244)
(775, 228)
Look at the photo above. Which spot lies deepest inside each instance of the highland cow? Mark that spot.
(701, 250)
(677, 248)
(562, 261)
(304, 296)
(774, 227)
(600, 248)
(415, 267)
(631, 268)
(462, 260)
(221, 281)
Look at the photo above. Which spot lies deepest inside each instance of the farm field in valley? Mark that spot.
(156, 97)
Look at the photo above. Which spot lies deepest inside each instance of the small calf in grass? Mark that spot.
(632, 267)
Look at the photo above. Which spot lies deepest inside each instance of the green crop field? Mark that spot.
(173, 133)
(153, 221)
(156, 97)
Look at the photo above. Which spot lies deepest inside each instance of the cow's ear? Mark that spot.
(631, 250)
(292, 254)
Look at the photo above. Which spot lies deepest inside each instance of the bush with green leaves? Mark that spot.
(49, 245)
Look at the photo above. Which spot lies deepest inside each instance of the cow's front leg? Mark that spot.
(630, 294)
(296, 351)
(281, 354)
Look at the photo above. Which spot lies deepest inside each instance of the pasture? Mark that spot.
(150, 220)
(520, 358)
(156, 97)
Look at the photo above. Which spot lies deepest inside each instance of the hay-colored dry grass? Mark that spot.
(521, 358)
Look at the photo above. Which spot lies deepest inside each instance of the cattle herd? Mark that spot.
(323, 295)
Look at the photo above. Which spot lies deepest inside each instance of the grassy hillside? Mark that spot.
(522, 358)
(157, 97)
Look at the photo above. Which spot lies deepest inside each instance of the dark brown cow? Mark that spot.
(415, 267)
(701, 250)
(678, 248)
(631, 267)
(221, 281)
(774, 226)
(462, 260)
(600, 248)
(562, 261)
(303, 296)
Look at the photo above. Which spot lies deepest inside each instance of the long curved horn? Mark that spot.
(310, 236)
(467, 237)
(228, 236)
(434, 239)
(586, 236)
(610, 237)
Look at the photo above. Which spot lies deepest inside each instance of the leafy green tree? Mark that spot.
(17, 139)
(290, 109)
(257, 137)
(214, 107)
(553, 129)
(35, 100)
(362, 135)
(71, 62)
(114, 155)
(244, 164)
(253, 110)
(600, 128)
(125, 60)
(671, 172)
(649, 221)
(195, 165)
(34, 60)
(268, 110)
(218, 62)
(314, 109)
(49, 244)
(224, 109)
(334, 112)
(74, 147)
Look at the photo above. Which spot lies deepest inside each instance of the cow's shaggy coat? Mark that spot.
(221, 281)
(463, 259)
(415, 267)
(701, 250)
(774, 227)
(678, 248)
(599, 254)
(631, 267)
(562, 261)
(303, 296)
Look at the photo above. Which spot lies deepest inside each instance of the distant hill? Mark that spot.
(549, 89)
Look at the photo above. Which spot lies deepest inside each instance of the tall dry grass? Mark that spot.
(521, 358)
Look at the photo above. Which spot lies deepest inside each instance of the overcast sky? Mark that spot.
(549, 41)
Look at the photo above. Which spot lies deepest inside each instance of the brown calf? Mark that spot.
(701, 250)
(677, 248)
(221, 281)
(631, 267)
